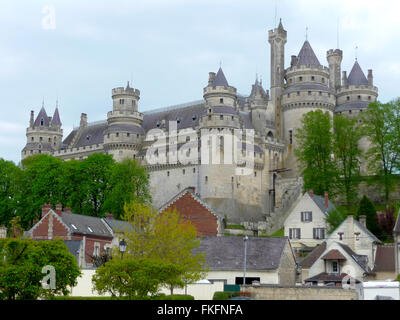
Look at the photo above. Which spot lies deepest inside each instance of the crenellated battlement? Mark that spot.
(126, 91)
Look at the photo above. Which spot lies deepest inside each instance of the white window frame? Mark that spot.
(295, 233)
(306, 216)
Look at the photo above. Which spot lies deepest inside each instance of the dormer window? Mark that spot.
(194, 117)
(73, 226)
(158, 124)
(41, 121)
(178, 120)
(90, 229)
(87, 137)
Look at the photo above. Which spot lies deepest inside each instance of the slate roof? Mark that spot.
(357, 105)
(369, 233)
(223, 110)
(220, 79)
(74, 246)
(328, 277)
(124, 128)
(361, 260)
(118, 225)
(42, 115)
(313, 256)
(82, 222)
(307, 86)
(320, 202)
(44, 146)
(227, 253)
(356, 76)
(55, 121)
(89, 135)
(307, 56)
(385, 258)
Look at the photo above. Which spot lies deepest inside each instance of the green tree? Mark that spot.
(10, 176)
(314, 152)
(21, 268)
(367, 208)
(134, 278)
(40, 184)
(382, 126)
(346, 138)
(335, 218)
(95, 172)
(128, 182)
(166, 237)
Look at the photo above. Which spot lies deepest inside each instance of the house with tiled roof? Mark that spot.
(86, 236)
(207, 221)
(349, 251)
(268, 260)
(306, 224)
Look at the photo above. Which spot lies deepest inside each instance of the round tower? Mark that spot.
(44, 134)
(306, 90)
(334, 58)
(124, 133)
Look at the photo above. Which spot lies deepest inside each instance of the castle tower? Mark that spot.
(334, 58)
(124, 133)
(277, 39)
(44, 134)
(306, 90)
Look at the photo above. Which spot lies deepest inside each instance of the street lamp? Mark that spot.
(122, 247)
(245, 259)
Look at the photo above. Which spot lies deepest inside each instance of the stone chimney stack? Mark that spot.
(293, 61)
(344, 79)
(326, 200)
(83, 120)
(32, 119)
(363, 220)
(211, 78)
(370, 78)
(59, 209)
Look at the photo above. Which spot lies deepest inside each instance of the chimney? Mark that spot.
(83, 120)
(344, 79)
(67, 210)
(45, 208)
(211, 78)
(109, 215)
(326, 200)
(311, 193)
(193, 189)
(293, 62)
(370, 78)
(363, 220)
(31, 120)
(59, 209)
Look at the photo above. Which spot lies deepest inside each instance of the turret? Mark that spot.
(218, 92)
(125, 98)
(334, 58)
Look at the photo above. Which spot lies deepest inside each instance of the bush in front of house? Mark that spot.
(225, 295)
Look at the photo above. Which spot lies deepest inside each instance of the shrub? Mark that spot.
(225, 295)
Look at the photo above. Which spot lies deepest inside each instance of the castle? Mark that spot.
(260, 196)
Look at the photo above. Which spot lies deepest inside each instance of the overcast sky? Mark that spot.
(167, 48)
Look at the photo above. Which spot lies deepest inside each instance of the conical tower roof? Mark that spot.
(55, 121)
(307, 56)
(220, 79)
(42, 115)
(357, 76)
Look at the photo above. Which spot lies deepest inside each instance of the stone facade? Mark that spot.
(255, 189)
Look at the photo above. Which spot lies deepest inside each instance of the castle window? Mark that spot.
(209, 117)
(221, 117)
(41, 121)
(323, 80)
(290, 80)
(255, 174)
(158, 124)
(359, 97)
(117, 134)
(206, 179)
(128, 134)
(32, 139)
(350, 111)
(121, 101)
(291, 137)
(183, 171)
(288, 95)
(232, 179)
(298, 93)
(194, 117)
(108, 135)
(41, 139)
(87, 137)
(167, 173)
(233, 118)
(309, 93)
(194, 170)
(300, 78)
(137, 135)
(221, 100)
(312, 78)
(369, 97)
(348, 98)
(178, 120)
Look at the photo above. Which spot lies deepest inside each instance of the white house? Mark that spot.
(350, 250)
(306, 225)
